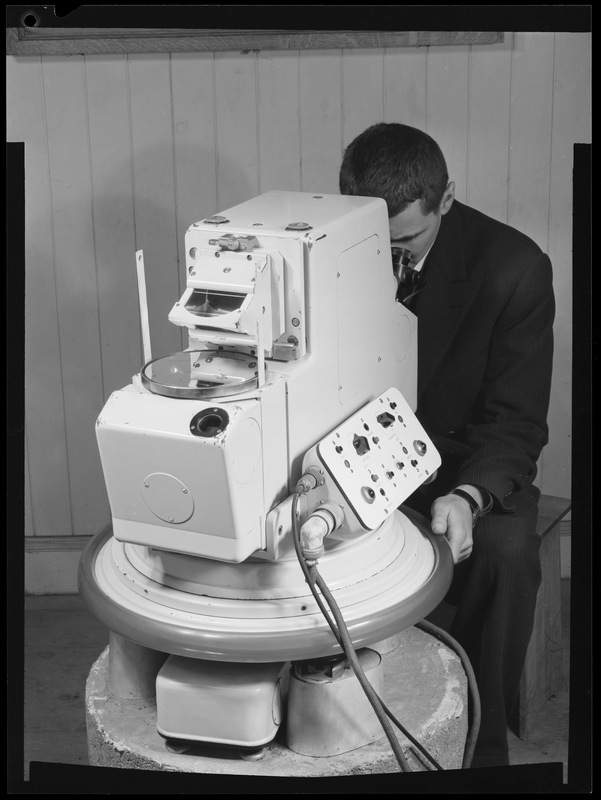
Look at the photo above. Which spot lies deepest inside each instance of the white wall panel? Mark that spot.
(113, 218)
(363, 91)
(488, 129)
(447, 98)
(405, 86)
(278, 110)
(237, 123)
(45, 435)
(320, 120)
(531, 114)
(195, 159)
(76, 286)
(152, 168)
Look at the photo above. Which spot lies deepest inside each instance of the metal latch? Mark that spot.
(286, 351)
(231, 241)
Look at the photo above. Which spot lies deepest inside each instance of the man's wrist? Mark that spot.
(478, 499)
(482, 496)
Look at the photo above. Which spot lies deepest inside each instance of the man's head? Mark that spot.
(396, 162)
(405, 167)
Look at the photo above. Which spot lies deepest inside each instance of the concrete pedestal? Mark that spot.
(425, 688)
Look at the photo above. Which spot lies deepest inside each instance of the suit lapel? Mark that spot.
(444, 301)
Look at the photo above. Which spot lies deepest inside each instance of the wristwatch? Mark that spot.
(473, 504)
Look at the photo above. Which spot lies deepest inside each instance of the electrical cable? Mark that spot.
(444, 636)
(312, 577)
(308, 577)
(339, 628)
(348, 647)
(370, 692)
(342, 636)
(439, 633)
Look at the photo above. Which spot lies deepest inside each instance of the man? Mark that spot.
(485, 309)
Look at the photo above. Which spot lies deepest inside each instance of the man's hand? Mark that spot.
(452, 516)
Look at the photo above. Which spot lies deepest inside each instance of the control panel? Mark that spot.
(378, 457)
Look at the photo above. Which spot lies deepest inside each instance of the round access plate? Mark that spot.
(196, 374)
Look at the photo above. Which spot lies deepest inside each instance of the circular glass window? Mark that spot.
(201, 373)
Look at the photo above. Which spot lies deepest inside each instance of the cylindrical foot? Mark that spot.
(132, 668)
(328, 711)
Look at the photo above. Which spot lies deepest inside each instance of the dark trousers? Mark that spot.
(494, 592)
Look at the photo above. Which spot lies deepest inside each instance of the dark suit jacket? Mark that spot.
(485, 347)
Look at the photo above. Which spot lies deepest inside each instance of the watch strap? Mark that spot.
(471, 501)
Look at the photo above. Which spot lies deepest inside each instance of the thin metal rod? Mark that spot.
(143, 306)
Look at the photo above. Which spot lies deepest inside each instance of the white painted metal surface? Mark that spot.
(328, 712)
(229, 704)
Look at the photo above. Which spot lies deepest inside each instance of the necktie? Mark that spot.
(410, 281)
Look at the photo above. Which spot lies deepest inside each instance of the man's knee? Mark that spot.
(508, 546)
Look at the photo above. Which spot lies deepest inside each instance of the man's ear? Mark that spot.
(447, 198)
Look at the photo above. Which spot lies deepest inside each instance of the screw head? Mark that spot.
(299, 226)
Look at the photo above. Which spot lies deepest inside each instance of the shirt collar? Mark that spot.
(420, 263)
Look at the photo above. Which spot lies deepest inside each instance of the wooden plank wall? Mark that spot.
(125, 152)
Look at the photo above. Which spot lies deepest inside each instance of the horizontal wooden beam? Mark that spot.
(23, 41)
(38, 544)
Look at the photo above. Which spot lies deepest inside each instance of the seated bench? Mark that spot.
(542, 677)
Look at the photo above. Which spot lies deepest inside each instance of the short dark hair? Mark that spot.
(398, 163)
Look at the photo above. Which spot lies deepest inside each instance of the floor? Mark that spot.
(62, 640)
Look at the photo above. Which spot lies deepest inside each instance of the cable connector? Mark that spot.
(320, 524)
(312, 477)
